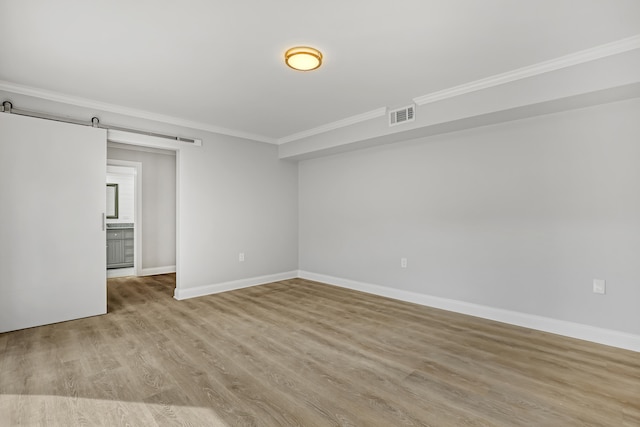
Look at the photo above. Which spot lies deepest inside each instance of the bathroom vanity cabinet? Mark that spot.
(120, 247)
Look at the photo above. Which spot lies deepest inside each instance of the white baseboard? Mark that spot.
(158, 270)
(561, 327)
(181, 294)
(121, 272)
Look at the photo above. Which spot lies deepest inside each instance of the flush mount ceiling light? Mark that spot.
(303, 58)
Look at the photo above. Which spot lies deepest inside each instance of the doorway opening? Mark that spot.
(123, 223)
(155, 206)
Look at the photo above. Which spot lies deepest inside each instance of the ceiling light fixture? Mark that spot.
(303, 58)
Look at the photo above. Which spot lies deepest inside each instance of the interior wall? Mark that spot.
(234, 195)
(158, 205)
(520, 216)
(126, 197)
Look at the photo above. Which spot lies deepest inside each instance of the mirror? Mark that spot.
(112, 201)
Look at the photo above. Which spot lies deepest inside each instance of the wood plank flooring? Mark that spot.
(300, 353)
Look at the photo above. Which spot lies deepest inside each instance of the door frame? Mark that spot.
(141, 140)
(137, 209)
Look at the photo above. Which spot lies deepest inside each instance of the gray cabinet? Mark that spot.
(120, 247)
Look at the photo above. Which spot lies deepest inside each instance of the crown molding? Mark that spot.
(334, 125)
(580, 57)
(132, 112)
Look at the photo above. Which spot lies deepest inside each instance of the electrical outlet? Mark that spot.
(599, 286)
(403, 262)
(241, 257)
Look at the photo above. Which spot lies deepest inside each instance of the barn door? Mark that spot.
(52, 242)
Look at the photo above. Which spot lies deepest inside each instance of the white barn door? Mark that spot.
(52, 244)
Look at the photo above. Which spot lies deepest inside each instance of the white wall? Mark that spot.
(234, 195)
(126, 200)
(520, 216)
(158, 205)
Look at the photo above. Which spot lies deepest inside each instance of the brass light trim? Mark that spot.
(303, 58)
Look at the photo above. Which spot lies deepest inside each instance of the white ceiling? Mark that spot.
(221, 63)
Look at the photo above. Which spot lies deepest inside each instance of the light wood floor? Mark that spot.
(300, 353)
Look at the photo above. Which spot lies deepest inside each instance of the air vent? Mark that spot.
(402, 115)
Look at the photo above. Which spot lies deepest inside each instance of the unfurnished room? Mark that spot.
(330, 213)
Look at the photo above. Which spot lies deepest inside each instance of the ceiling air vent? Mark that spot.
(402, 115)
